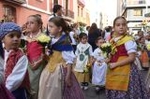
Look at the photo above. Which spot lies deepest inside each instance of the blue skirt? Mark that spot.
(20, 93)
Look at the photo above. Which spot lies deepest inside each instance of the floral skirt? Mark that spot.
(136, 88)
(52, 85)
(4, 93)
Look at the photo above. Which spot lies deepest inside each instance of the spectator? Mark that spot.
(57, 11)
(94, 33)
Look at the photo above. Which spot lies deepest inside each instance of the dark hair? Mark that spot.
(60, 22)
(93, 28)
(1, 50)
(99, 38)
(82, 34)
(38, 15)
(119, 17)
(88, 27)
(38, 19)
(108, 29)
(140, 32)
(56, 8)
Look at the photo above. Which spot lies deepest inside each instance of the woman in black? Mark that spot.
(94, 33)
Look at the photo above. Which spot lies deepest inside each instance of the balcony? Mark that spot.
(17, 1)
(136, 2)
(69, 13)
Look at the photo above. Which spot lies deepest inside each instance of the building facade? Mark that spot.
(19, 10)
(134, 11)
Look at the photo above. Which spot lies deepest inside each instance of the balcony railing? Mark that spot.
(69, 13)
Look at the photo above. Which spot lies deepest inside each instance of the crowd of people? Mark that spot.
(61, 61)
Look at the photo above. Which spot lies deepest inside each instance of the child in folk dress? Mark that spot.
(123, 79)
(34, 53)
(15, 62)
(57, 80)
(99, 66)
(4, 93)
(84, 56)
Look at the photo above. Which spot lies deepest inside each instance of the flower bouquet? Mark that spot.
(44, 40)
(106, 49)
(148, 46)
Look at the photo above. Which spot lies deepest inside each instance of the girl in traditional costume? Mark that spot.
(15, 62)
(57, 79)
(144, 55)
(99, 66)
(84, 56)
(123, 79)
(34, 53)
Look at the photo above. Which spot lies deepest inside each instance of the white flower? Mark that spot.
(148, 46)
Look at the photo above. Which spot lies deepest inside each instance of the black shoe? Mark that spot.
(97, 89)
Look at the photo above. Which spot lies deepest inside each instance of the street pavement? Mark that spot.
(91, 94)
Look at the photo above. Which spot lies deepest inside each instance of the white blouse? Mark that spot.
(15, 79)
(71, 34)
(130, 46)
(68, 56)
(98, 54)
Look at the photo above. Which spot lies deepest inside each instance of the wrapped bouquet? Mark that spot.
(106, 49)
(44, 40)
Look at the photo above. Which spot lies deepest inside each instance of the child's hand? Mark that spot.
(68, 81)
(99, 63)
(112, 65)
(107, 60)
(35, 65)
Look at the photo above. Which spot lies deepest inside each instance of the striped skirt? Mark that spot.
(53, 86)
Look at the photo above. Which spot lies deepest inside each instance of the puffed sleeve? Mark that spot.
(15, 79)
(68, 56)
(95, 53)
(131, 46)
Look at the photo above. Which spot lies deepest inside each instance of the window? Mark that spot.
(141, 1)
(9, 13)
(82, 11)
(137, 12)
(78, 10)
(55, 1)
